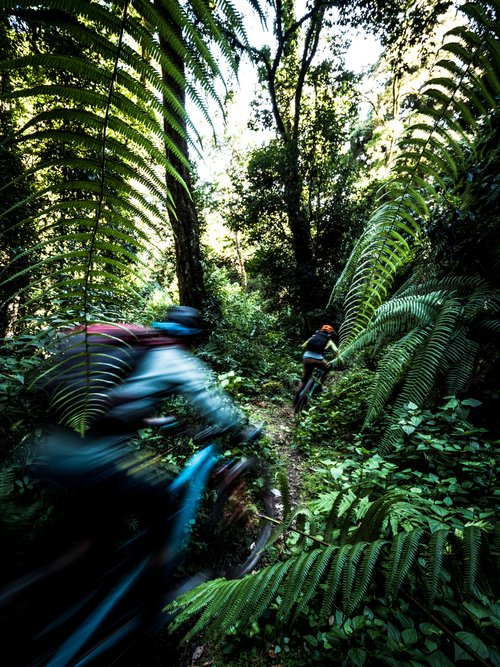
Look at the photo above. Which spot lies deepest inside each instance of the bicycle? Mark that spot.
(102, 613)
(312, 387)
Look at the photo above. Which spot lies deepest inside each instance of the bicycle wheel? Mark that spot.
(304, 396)
(238, 527)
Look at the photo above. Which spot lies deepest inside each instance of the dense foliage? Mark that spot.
(391, 554)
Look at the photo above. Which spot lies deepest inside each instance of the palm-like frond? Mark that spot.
(426, 331)
(337, 576)
(109, 112)
(497, 543)
(471, 547)
(102, 136)
(331, 575)
(462, 104)
(403, 554)
(435, 563)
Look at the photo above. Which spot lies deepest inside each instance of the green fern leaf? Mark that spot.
(471, 548)
(434, 568)
(349, 573)
(364, 577)
(334, 578)
(295, 582)
(403, 553)
(316, 575)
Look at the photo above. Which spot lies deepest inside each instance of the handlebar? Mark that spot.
(250, 434)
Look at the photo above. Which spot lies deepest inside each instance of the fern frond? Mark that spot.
(295, 582)
(284, 487)
(342, 498)
(334, 578)
(334, 504)
(403, 553)
(463, 95)
(434, 567)
(378, 512)
(349, 573)
(7, 477)
(471, 548)
(390, 370)
(496, 537)
(212, 596)
(314, 578)
(364, 576)
(302, 517)
(116, 126)
(347, 520)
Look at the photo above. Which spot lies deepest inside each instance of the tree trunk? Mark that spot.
(300, 227)
(185, 224)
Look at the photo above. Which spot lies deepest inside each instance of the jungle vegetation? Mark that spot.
(384, 223)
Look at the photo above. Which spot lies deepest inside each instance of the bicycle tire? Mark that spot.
(239, 531)
(304, 396)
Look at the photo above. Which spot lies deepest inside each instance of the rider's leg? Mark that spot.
(306, 374)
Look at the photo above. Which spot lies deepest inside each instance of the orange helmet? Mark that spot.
(327, 328)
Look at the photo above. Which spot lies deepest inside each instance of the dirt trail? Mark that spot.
(280, 427)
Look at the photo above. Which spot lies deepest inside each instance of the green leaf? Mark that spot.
(474, 403)
(410, 636)
(357, 657)
(311, 640)
(473, 642)
(438, 659)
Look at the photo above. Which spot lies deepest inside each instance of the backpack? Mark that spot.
(317, 342)
(85, 364)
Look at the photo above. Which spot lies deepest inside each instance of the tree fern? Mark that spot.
(426, 334)
(462, 101)
(104, 115)
(117, 119)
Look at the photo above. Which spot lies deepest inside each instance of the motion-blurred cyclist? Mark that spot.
(98, 472)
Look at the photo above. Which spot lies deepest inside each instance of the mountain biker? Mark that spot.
(165, 366)
(99, 472)
(314, 355)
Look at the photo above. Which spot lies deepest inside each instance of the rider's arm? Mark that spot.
(331, 346)
(171, 370)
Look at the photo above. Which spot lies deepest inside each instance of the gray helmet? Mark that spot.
(181, 321)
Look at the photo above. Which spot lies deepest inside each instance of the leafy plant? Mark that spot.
(246, 338)
(403, 541)
(337, 412)
(99, 121)
(430, 332)
(100, 203)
